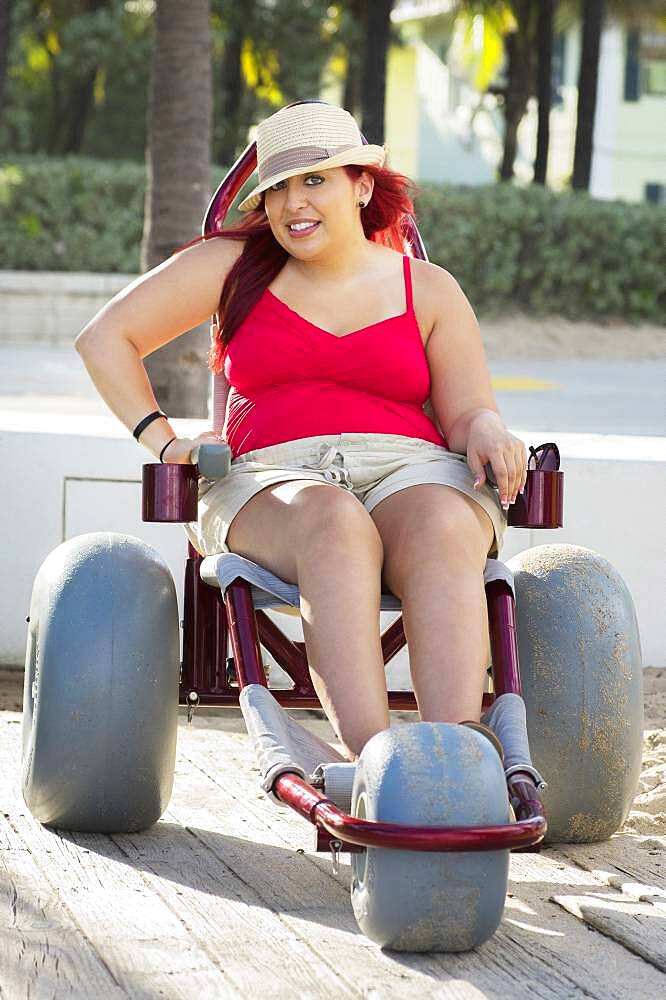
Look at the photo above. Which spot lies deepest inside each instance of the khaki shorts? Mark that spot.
(371, 466)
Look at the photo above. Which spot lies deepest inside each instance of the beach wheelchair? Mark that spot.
(430, 812)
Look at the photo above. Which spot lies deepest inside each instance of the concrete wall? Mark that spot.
(65, 476)
(52, 306)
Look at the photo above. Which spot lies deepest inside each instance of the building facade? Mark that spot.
(440, 128)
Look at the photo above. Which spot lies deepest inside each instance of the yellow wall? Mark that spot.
(401, 111)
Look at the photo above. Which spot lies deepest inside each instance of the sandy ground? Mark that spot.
(520, 336)
(648, 815)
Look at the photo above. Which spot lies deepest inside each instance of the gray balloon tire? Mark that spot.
(430, 774)
(101, 686)
(582, 678)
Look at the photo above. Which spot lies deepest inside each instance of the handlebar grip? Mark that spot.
(214, 460)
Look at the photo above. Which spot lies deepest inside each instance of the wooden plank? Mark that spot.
(555, 962)
(638, 891)
(227, 760)
(294, 948)
(224, 871)
(144, 945)
(541, 944)
(42, 952)
(634, 879)
(297, 888)
(224, 914)
(635, 916)
(637, 926)
(638, 859)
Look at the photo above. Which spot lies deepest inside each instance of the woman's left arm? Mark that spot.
(462, 394)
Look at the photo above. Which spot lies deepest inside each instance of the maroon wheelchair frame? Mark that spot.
(210, 620)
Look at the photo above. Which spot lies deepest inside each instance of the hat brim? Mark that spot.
(367, 155)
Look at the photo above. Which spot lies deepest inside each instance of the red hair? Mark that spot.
(384, 221)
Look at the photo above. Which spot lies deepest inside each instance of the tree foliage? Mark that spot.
(513, 38)
(78, 70)
(77, 77)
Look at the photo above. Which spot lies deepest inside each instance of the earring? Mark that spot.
(361, 204)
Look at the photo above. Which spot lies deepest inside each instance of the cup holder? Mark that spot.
(542, 503)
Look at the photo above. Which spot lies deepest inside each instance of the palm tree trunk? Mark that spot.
(231, 84)
(544, 84)
(373, 78)
(515, 102)
(593, 18)
(351, 99)
(80, 98)
(178, 184)
(79, 103)
(520, 58)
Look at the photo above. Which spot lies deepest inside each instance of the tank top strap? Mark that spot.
(409, 305)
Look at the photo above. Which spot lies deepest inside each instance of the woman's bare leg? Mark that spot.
(436, 543)
(321, 537)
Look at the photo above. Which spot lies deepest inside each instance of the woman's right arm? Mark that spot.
(153, 310)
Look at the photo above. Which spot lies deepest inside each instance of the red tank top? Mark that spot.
(291, 379)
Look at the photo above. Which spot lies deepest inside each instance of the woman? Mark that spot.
(340, 482)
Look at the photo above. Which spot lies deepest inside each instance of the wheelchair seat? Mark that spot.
(271, 592)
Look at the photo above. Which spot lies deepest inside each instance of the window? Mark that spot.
(655, 194)
(645, 65)
(632, 67)
(653, 63)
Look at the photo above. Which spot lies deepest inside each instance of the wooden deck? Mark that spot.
(225, 897)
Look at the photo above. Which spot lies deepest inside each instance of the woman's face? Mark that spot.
(328, 199)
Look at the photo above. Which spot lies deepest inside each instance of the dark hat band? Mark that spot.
(297, 157)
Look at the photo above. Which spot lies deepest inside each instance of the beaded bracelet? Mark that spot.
(141, 426)
(165, 448)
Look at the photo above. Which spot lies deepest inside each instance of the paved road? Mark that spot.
(611, 397)
(603, 397)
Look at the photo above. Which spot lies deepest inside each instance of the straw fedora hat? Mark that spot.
(301, 136)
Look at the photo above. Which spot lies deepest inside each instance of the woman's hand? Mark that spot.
(488, 440)
(180, 449)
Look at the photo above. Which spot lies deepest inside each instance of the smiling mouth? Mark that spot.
(310, 228)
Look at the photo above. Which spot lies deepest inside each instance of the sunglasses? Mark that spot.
(544, 458)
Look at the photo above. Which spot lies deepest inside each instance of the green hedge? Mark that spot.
(540, 252)
(511, 248)
(70, 214)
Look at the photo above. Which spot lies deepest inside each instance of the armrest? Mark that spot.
(171, 492)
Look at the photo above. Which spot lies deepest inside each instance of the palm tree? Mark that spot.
(640, 13)
(514, 22)
(520, 73)
(237, 23)
(178, 183)
(544, 43)
(373, 72)
(593, 18)
(355, 11)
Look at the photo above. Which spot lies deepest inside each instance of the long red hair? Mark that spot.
(384, 221)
